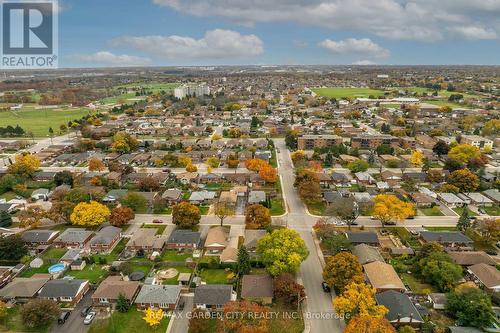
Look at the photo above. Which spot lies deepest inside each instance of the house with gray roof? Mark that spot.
(23, 290)
(65, 290)
(256, 197)
(73, 238)
(105, 239)
(493, 194)
(449, 239)
(213, 296)
(158, 296)
(201, 197)
(366, 254)
(363, 237)
(251, 238)
(37, 237)
(402, 311)
(183, 240)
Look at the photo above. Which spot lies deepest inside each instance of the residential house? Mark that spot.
(402, 311)
(36, 237)
(183, 240)
(450, 200)
(73, 238)
(493, 194)
(187, 177)
(146, 239)
(486, 276)
(364, 178)
(172, 196)
(383, 277)
(470, 258)
(363, 237)
(105, 239)
(367, 254)
(108, 291)
(480, 200)
(257, 288)
(23, 290)
(422, 200)
(202, 197)
(40, 194)
(65, 290)
(449, 239)
(158, 296)
(217, 240)
(213, 296)
(251, 239)
(6, 274)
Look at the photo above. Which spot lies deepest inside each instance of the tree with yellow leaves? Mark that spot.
(191, 168)
(96, 165)
(464, 153)
(342, 269)
(184, 161)
(358, 300)
(417, 158)
(25, 165)
(90, 214)
(388, 208)
(153, 317)
(123, 142)
(368, 324)
(298, 156)
(212, 162)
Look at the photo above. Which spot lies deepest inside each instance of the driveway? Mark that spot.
(180, 319)
(74, 324)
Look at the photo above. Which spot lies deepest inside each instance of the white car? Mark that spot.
(88, 319)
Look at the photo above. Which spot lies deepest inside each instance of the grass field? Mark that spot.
(130, 95)
(347, 92)
(434, 211)
(39, 121)
(131, 321)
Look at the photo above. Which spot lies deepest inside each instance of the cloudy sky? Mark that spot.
(213, 32)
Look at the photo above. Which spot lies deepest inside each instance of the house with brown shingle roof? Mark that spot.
(383, 277)
(108, 291)
(147, 240)
(258, 288)
(469, 258)
(486, 275)
(217, 240)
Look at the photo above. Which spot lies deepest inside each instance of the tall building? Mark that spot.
(192, 89)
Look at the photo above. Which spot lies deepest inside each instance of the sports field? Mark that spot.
(130, 96)
(347, 92)
(39, 121)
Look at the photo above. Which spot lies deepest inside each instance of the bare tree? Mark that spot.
(222, 211)
(344, 209)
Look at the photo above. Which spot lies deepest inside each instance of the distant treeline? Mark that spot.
(12, 131)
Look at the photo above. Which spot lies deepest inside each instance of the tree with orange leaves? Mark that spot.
(369, 324)
(255, 164)
(268, 173)
(239, 317)
(96, 165)
(315, 166)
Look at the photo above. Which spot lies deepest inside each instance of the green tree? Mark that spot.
(471, 307)
(39, 313)
(244, 266)
(63, 177)
(438, 269)
(282, 251)
(358, 166)
(122, 303)
(5, 219)
(12, 248)
(464, 220)
(135, 201)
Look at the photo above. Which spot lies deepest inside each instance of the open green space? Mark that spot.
(347, 92)
(316, 208)
(132, 88)
(172, 255)
(180, 269)
(277, 207)
(493, 211)
(39, 121)
(460, 210)
(214, 276)
(92, 272)
(131, 321)
(431, 211)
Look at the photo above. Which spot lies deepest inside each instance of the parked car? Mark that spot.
(325, 286)
(491, 252)
(63, 317)
(157, 221)
(85, 311)
(88, 319)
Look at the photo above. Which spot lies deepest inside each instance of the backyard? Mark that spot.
(131, 321)
(49, 258)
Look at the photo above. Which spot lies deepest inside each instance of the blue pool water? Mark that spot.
(56, 268)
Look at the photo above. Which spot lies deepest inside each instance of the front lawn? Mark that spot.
(214, 276)
(160, 227)
(432, 211)
(492, 211)
(130, 321)
(277, 207)
(459, 211)
(317, 208)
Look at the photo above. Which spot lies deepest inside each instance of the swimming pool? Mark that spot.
(56, 268)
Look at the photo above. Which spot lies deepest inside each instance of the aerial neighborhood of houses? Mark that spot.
(178, 198)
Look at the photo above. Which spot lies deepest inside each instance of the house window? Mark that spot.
(163, 305)
(103, 300)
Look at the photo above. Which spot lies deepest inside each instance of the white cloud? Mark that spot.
(425, 20)
(474, 32)
(363, 46)
(109, 59)
(364, 62)
(215, 44)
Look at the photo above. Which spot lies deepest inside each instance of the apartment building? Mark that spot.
(367, 141)
(309, 142)
(191, 90)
